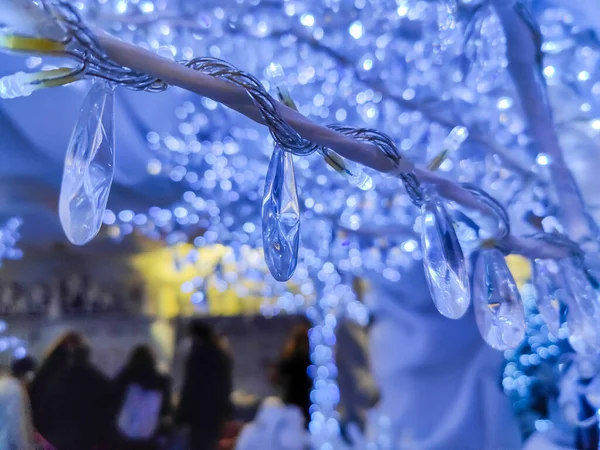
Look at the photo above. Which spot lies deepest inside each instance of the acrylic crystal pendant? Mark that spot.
(89, 166)
(582, 310)
(499, 310)
(592, 392)
(583, 332)
(444, 261)
(281, 216)
(550, 287)
(580, 288)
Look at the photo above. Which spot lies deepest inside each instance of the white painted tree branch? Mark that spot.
(431, 113)
(236, 98)
(522, 53)
(368, 155)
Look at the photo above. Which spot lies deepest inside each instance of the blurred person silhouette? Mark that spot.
(23, 369)
(73, 397)
(142, 402)
(205, 403)
(16, 425)
(16, 429)
(55, 361)
(292, 370)
(358, 390)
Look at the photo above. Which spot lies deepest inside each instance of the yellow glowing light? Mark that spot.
(520, 268)
(164, 279)
(58, 77)
(30, 44)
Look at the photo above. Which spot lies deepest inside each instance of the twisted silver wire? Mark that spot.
(97, 63)
(387, 146)
(560, 240)
(383, 141)
(493, 204)
(282, 132)
(413, 188)
(82, 46)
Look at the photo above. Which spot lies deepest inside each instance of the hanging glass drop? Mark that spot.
(592, 392)
(583, 333)
(582, 310)
(444, 261)
(581, 288)
(550, 287)
(281, 216)
(89, 166)
(499, 310)
(485, 50)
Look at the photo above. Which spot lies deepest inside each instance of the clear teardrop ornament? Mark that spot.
(281, 216)
(499, 310)
(485, 50)
(592, 392)
(583, 333)
(582, 310)
(581, 288)
(550, 287)
(443, 259)
(89, 166)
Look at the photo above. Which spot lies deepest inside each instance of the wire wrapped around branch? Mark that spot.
(494, 205)
(83, 46)
(560, 240)
(387, 146)
(282, 132)
(133, 67)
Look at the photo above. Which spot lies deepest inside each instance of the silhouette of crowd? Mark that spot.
(69, 404)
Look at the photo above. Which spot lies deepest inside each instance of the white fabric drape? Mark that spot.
(440, 383)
